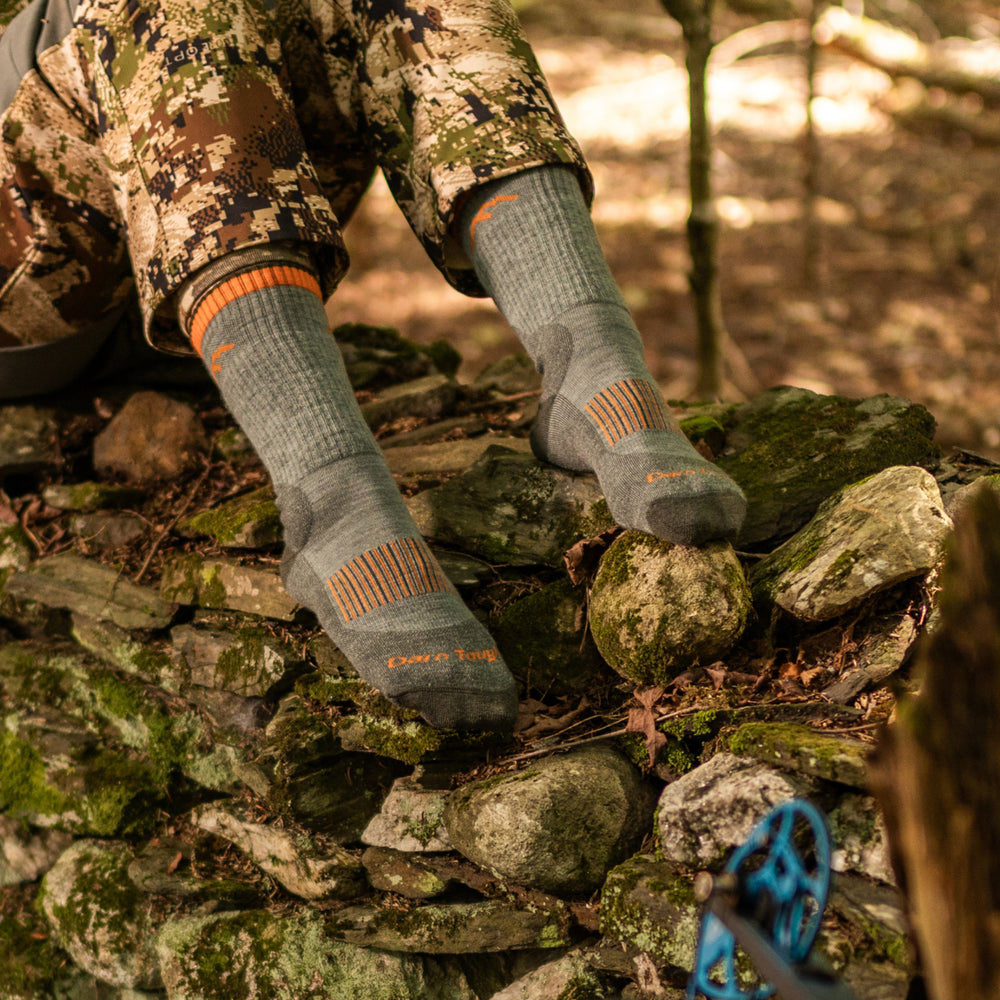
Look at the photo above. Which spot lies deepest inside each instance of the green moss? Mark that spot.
(443, 356)
(331, 690)
(15, 548)
(212, 591)
(796, 746)
(88, 497)
(169, 739)
(182, 578)
(102, 904)
(597, 520)
(230, 522)
(409, 742)
(795, 450)
(23, 785)
(247, 652)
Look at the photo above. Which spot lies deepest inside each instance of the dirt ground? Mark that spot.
(908, 299)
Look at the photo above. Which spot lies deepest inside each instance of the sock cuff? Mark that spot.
(257, 279)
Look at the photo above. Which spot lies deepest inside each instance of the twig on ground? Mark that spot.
(188, 500)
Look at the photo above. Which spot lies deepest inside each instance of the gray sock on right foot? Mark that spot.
(534, 249)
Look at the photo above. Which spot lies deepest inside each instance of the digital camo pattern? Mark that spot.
(200, 126)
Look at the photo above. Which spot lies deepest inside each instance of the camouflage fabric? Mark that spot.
(184, 129)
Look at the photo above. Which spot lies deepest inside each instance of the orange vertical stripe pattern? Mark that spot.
(269, 276)
(390, 572)
(628, 406)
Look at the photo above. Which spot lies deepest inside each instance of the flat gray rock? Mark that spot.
(510, 508)
(28, 439)
(864, 539)
(91, 589)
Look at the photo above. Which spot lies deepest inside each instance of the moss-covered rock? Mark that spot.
(15, 548)
(250, 521)
(377, 356)
(222, 584)
(121, 709)
(658, 608)
(248, 661)
(864, 539)
(409, 875)
(98, 915)
(411, 819)
(121, 650)
(88, 497)
(257, 955)
(545, 640)
(789, 449)
(800, 748)
(511, 508)
(649, 905)
(489, 925)
(558, 826)
(568, 977)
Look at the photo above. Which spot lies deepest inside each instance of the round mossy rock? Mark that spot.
(98, 915)
(657, 608)
(559, 826)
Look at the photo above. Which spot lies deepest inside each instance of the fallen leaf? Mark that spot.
(175, 864)
(581, 560)
(642, 720)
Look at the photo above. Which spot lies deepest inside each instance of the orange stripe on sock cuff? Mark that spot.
(231, 289)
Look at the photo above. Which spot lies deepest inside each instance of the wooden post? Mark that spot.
(937, 773)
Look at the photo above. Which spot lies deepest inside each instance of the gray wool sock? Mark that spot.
(352, 552)
(534, 249)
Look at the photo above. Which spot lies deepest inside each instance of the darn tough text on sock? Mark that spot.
(489, 655)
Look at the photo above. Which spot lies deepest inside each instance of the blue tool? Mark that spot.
(769, 901)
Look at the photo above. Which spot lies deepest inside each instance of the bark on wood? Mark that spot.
(937, 774)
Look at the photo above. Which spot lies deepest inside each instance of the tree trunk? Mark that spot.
(695, 19)
(937, 773)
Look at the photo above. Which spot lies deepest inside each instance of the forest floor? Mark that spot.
(907, 295)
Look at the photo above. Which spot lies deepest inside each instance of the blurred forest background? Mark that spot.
(884, 277)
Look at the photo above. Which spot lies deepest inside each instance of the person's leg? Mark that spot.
(352, 553)
(230, 225)
(533, 246)
(481, 163)
(64, 281)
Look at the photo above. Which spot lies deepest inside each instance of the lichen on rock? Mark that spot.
(658, 608)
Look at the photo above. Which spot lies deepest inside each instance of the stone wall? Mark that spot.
(200, 798)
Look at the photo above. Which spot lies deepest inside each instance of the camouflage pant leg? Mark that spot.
(188, 116)
(200, 137)
(63, 266)
(453, 97)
